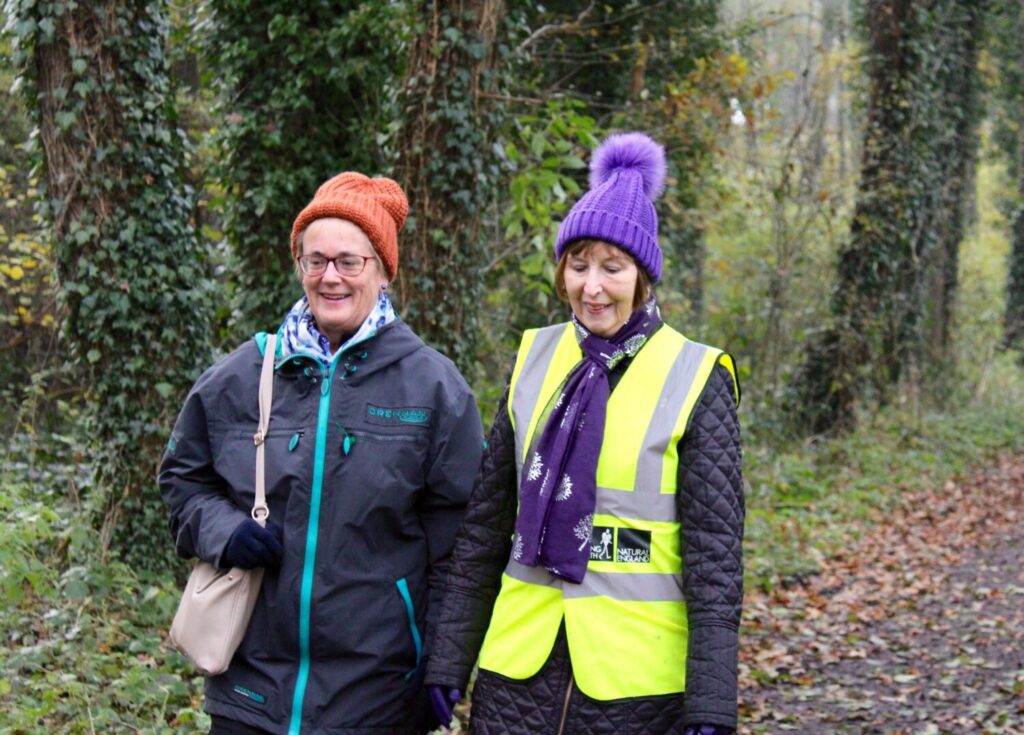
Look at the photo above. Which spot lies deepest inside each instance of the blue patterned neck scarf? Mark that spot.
(558, 487)
(300, 335)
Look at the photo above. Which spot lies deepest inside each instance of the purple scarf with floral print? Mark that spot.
(558, 487)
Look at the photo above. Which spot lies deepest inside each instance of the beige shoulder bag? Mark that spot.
(215, 608)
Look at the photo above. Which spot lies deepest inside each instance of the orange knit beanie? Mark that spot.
(377, 206)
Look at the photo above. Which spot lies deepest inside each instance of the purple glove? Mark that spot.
(708, 730)
(442, 699)
(251, 545)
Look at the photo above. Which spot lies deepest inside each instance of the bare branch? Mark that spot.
(550, 28)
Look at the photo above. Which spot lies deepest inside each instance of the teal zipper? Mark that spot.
(312, 537)
(309, 560)
(403, 590)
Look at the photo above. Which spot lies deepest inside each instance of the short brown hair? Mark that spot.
(643, 281)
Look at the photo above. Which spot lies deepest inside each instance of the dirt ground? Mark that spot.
(917, 630)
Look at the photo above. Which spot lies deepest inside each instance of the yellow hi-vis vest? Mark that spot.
(626, 622)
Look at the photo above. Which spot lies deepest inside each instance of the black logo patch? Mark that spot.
(602, 539)
(633, 547)
(398, 415)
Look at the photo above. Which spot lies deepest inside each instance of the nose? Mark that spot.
(331, 273)
(592, 284)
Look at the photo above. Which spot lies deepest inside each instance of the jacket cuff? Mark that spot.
(215, 534)
(440, 673)
(711, 665)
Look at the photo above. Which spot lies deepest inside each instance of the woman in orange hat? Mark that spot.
(373, 443)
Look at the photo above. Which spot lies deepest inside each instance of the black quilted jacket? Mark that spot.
(711, 510)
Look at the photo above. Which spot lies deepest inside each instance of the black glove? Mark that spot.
(251, 545)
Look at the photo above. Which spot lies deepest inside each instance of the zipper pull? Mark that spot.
(348, 442)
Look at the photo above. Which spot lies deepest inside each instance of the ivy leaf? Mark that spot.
(164, 389)
(93, 356)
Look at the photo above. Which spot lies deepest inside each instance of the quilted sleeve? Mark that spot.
(711, 509)
(482, 547)
(455, 461)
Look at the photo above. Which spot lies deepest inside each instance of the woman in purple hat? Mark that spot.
(598, 574)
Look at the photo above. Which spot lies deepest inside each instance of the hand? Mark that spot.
(442, 699)
(251, 545)
(708, 730)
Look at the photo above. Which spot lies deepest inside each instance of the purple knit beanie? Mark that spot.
(627, 174)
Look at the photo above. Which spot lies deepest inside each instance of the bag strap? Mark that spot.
(260, 511)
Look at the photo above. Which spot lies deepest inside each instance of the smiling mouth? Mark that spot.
(335, 298)
(596, 308)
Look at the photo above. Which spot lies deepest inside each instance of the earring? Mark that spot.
(384, 287)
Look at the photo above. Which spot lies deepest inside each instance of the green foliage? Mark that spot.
(899, 267)
(305, 91)
(544, 154)
(775, 204)
(131, 270)
(81, 647)
(805, 498)
(449, 169)
(657, 67)
(1005, 62)
(1005, 76)
(28, 314)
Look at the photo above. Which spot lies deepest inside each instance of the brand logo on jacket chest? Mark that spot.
(398, 415)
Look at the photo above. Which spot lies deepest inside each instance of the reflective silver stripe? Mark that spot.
(532, 575)
(530, 382)
(659, 433)
(646, 502)
(651, 506)
(630, 586)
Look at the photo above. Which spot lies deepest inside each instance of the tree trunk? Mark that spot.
(445, 164)
(829, 384)
(1013, 335)
(956, 155)
(130, 267)
(906, 230)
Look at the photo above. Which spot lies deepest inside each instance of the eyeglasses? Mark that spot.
(347, 264)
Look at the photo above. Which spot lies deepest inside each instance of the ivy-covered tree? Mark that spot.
(954, 119)
(305, 90)
(447, 165)
(130, 267)
(1007, 31)
(907, 224)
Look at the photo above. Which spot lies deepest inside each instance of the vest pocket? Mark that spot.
(403, 591)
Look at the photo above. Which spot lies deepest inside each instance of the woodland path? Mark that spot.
(917, 630)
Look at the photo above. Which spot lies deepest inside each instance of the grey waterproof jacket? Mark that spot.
(370, 462)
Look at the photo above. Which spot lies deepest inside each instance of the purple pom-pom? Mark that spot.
(625, 151)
